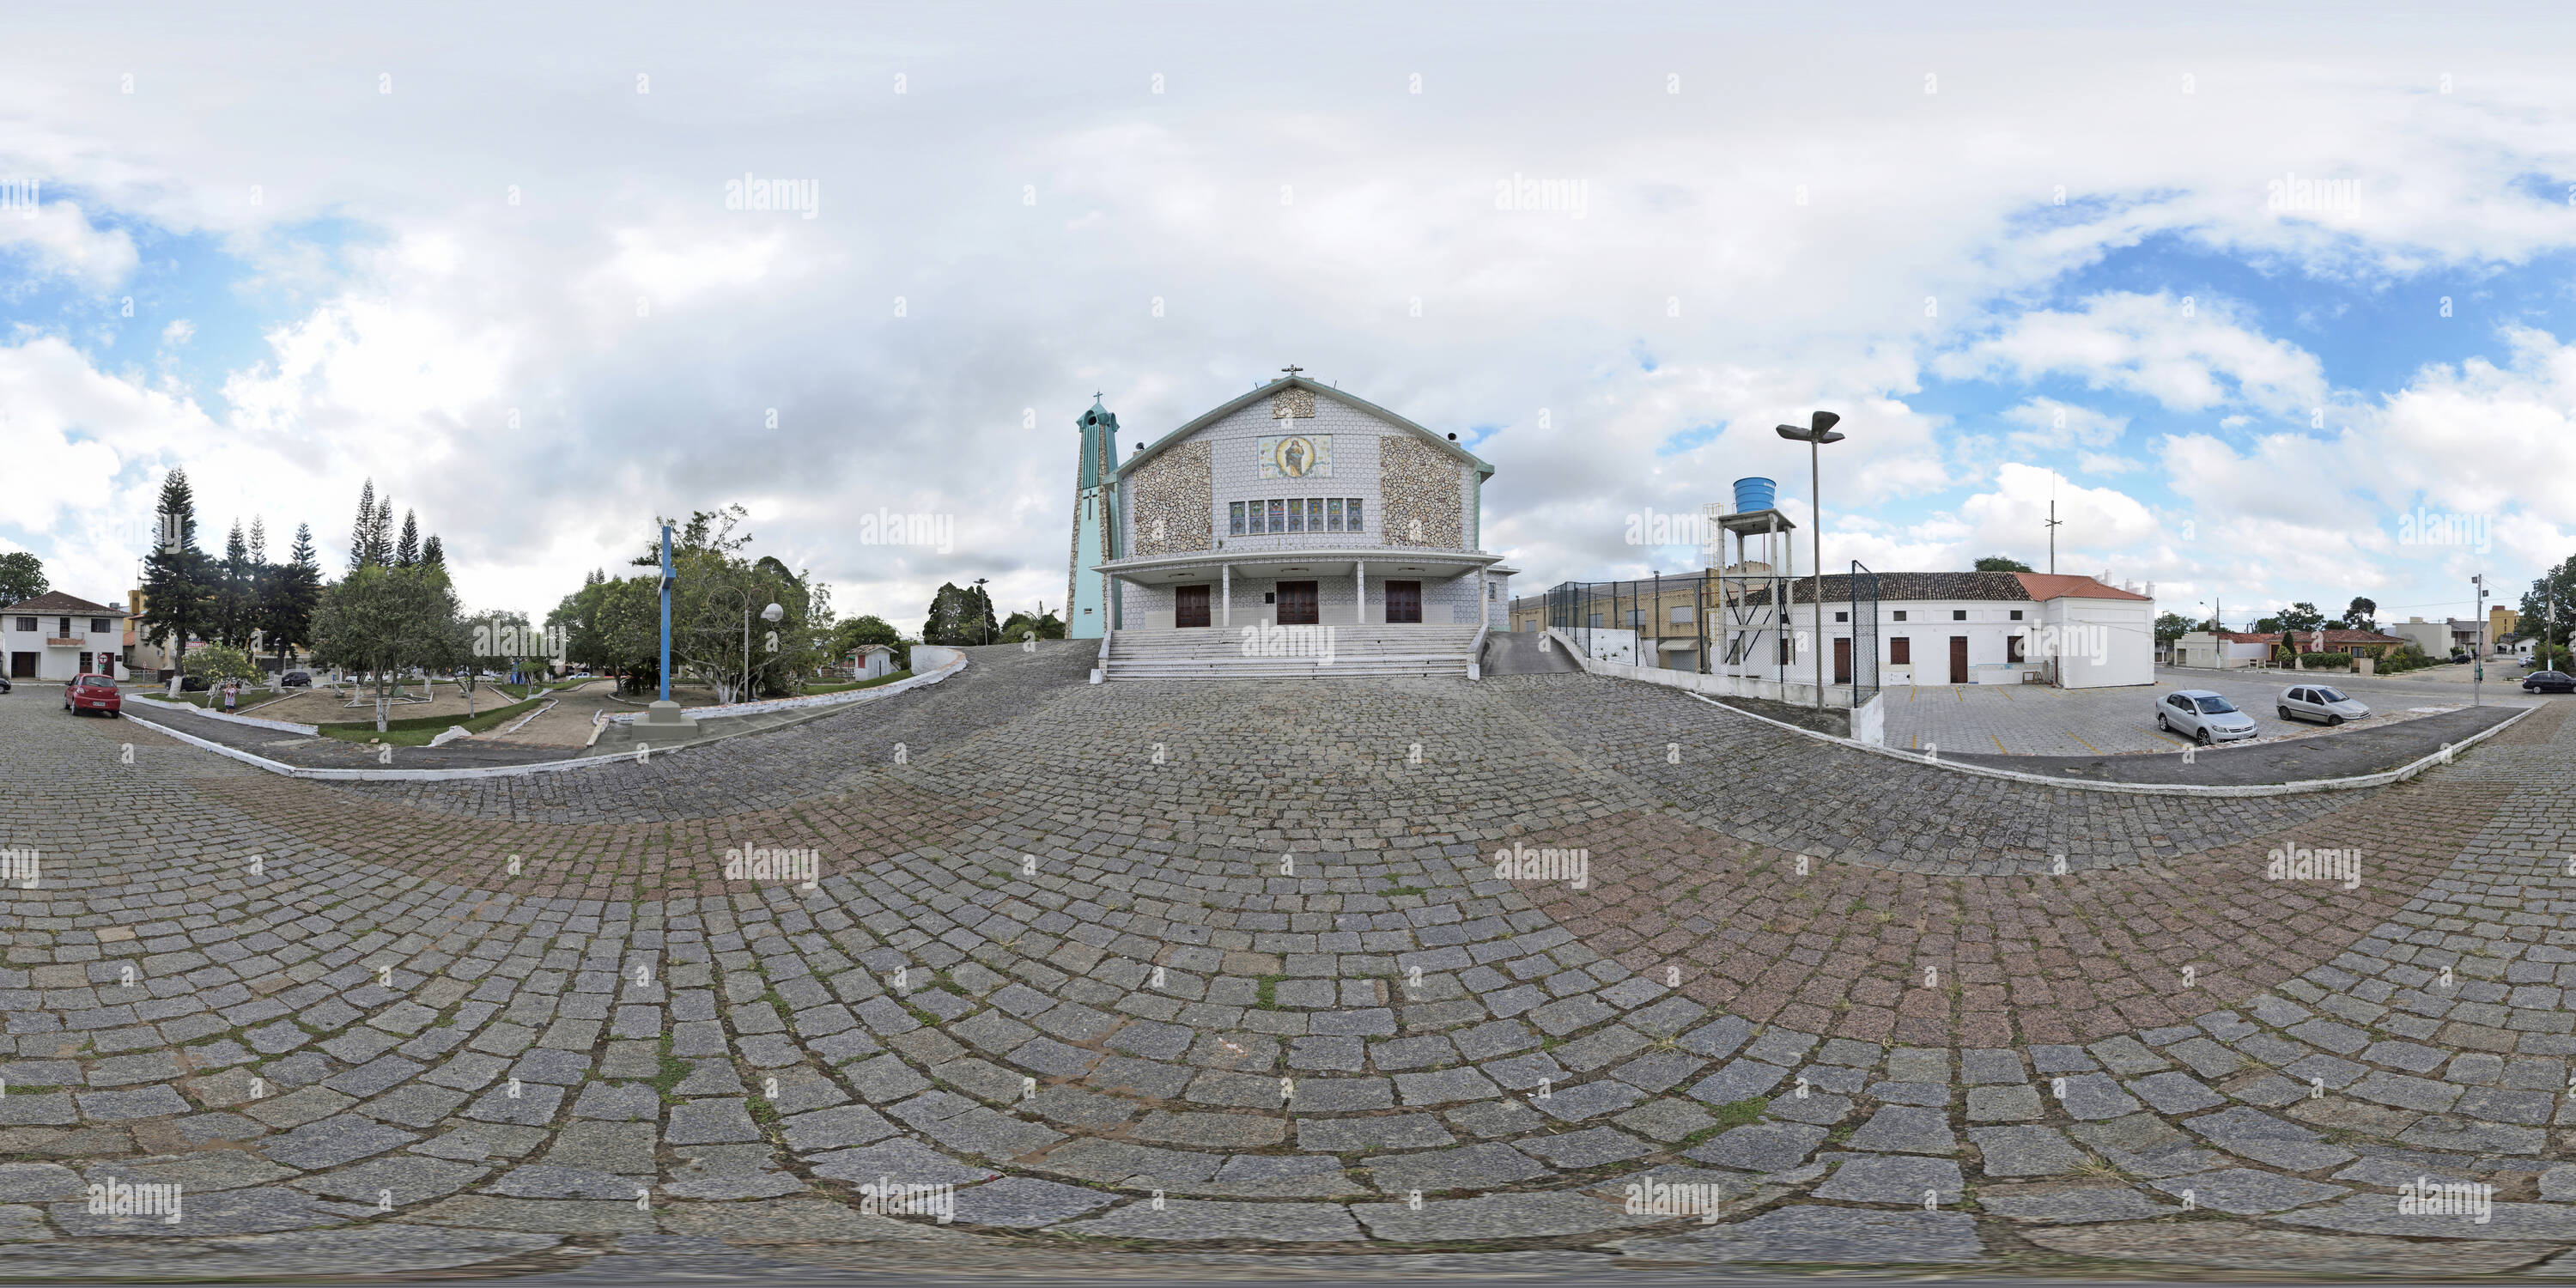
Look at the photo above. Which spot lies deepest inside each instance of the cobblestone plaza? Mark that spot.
(1177, 976)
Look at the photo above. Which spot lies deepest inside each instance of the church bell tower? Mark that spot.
(1095, 528)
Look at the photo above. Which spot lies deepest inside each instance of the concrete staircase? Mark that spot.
(1220, 653)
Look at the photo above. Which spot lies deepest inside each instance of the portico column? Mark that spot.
(1359, 588)
(1225, 574)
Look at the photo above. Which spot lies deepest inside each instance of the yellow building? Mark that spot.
(2501, 621)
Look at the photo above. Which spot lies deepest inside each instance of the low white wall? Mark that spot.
(1870, 719)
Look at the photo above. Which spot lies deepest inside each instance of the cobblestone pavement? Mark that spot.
(1170, 977)
(2035, 720)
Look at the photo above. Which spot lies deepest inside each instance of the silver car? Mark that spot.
(2204, 715)
(2319, 703)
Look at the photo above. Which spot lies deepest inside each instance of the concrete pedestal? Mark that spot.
(666, 716)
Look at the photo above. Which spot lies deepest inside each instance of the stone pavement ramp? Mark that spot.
(1523, 653)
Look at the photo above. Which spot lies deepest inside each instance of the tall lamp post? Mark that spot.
(983, 611)
(2478, 660)
(1819, 432)
(770, 615)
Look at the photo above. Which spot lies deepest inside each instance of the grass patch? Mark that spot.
(418, 730)
(847, 685)
(673, 1069)
(1266, 995)
(1738, 1113)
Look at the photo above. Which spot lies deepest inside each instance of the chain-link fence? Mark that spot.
(1863, 676)
(1659, 622)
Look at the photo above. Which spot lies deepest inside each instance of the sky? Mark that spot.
(2273, 302)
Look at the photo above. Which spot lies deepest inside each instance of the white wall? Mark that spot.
(2103, 642)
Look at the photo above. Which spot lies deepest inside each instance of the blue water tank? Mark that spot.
(1752, 495)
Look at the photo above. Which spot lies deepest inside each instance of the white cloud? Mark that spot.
(178, 332)
(2187, 353)
(56, 240)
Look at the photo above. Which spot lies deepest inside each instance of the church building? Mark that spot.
(1294, 504)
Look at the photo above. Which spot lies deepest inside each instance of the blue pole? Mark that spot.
(666, 612)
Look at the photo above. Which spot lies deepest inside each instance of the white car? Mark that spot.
(2205, 716)
(2320, 703)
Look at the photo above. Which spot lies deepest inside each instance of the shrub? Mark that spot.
(2325, 661)
(214, 662)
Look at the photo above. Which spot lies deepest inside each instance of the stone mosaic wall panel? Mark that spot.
(1173, 508)
(1421, 486)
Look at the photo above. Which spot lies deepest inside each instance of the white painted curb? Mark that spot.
(2381, 779)
(486, 771)
(282, 726)
(816, 700)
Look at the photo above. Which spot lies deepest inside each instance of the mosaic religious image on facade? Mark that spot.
(1297, 456)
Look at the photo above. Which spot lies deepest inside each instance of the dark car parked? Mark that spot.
(2549, 682)
(192, 684)
(295, 680)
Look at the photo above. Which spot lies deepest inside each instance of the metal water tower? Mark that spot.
(1751, 593)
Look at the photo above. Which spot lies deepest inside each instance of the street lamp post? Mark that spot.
(1819, 432)
(770, 615)
(983, 610)
(2478, 660)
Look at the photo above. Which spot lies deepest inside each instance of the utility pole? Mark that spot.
(2052, 534)
(1819, 432)
(2478, 655)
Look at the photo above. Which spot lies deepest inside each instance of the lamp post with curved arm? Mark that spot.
(1819, 432)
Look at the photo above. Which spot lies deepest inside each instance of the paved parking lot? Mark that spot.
(2035, 720)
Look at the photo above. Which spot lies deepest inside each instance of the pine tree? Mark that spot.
(235, 602)
(407, 550)
(258, 540)
(293, 591)
(432, 554)
(178, 582)
(381, 545)
(359, 532)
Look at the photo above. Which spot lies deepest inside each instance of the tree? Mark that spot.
(2301, 616)
(959, 616)
(2002, 563)
(218, 662)
(2172, 626)
(2549, 613)
(407, 550)
(362, 542)
(866, 628)
(380, 620)
(236, 593)
(495, 642)
(2361, 615)
(433, 554)
(287, 600)
(22, 577)
(178, 578)
(1025, 625)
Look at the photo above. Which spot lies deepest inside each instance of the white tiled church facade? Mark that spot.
(1435, 485)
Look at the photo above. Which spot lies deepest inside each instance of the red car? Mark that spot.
(93, 693)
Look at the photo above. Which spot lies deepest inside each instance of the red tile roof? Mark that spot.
(2058, 585)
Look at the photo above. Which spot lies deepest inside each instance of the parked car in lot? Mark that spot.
(2207, 717)
(2549, 682)
(295, 680)
(2319, 703)
(93, 693)
(192, 684)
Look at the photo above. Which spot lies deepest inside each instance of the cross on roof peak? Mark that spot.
(1292, 370)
